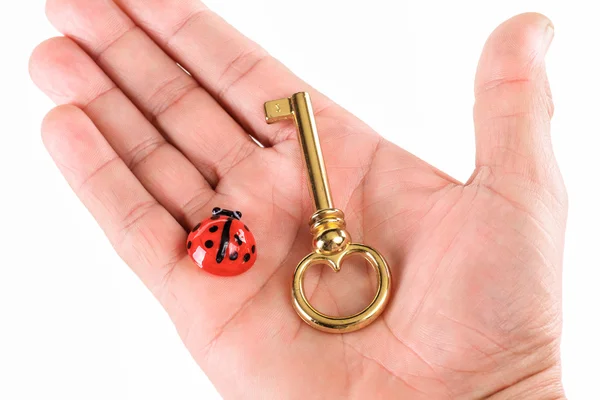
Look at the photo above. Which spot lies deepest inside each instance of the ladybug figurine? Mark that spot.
(222, 245)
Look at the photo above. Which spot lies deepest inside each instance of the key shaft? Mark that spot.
(299, 108)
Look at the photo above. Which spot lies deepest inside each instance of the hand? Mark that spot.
(150, 150)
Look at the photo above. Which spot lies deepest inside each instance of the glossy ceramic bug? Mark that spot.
(222, 245)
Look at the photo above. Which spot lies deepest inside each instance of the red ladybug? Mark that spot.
(222, 245)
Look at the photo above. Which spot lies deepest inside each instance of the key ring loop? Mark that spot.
(350, 323)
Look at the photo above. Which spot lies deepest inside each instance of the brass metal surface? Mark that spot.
(299, 108)
(350, 323)
(331, 242)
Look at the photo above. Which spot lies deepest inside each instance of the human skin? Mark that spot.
(150, 150)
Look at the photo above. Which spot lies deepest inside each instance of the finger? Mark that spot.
(242, 77)
(144, 234)
(513, 104)
(190, 118)
(69, 76)
(235, 70)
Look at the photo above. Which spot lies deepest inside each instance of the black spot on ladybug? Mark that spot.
(189, 244)
(196, 227)
(214, 228)
(253, 249)
(246, 257)
(209, 244)
(233, 256)
(237, 239)
(246, 228)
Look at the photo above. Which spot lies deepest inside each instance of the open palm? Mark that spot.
(150, 150)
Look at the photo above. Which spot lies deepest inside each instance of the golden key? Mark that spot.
(331, 243)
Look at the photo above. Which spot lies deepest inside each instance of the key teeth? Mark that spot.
(278, 110)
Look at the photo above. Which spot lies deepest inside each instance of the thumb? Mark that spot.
(513, 105)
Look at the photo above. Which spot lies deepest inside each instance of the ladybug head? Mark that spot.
(220, 211)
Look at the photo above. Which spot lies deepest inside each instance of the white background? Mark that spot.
(75, 323)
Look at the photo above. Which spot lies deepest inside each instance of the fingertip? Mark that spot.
(515, 49)
(61, 123)
(52, 6)
(62, 114)
(529, 18)
(46, 53)
(521, 32)
(88, 22)
(53, 65)
(65, 73)
(49, 8)
(59, 11)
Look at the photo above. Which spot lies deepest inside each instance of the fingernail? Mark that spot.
(548, 36)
